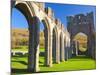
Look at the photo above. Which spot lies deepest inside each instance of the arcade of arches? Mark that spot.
(59, 45)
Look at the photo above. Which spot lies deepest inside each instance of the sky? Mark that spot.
(61, 11)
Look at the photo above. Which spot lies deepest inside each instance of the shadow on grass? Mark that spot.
(20, 56)
(19, 71)
(25, 71)
(22, 62)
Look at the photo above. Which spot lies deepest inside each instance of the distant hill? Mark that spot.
(22, 35)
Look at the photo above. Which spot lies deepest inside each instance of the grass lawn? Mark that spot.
(25, 48)
(19, 64)
(22, 48)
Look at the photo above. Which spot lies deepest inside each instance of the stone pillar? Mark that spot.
(66, 52)
(57, 51)
(33, 56)
(70, 50)
(88, 53)
(60, 46)
(63, 52)
(54, 54)
(75, 48)
(50, 50)
(91, 48)
(94, 47)
(46, 47)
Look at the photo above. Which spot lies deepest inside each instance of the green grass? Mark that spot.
(76, 63)
(72, 64)
(22, 48)
(42, 49)
(25, 48)
(19, 62)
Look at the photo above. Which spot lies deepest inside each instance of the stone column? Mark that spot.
(66, 52)
(94, 47)
(46, 47)
(91, 48)
(60, 46)
(33, 56)
(50, 49)
(57, 51)
(70, 50)
(75, 48)
(63, 52)
(88, 52)
(54, 54)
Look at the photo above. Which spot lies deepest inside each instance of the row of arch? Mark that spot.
(56, 39)
(58, 42)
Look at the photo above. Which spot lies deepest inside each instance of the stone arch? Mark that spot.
(33, 24)
(25, 9)
(77, 30)
(85, 24)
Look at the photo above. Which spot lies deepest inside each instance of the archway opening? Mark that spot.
(80, 43)
(19, 39)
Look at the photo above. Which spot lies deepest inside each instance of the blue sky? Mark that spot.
(60, 11)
